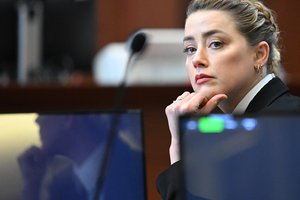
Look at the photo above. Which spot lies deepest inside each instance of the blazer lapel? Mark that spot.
(267, 95)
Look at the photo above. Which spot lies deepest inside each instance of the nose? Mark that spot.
(200, 58)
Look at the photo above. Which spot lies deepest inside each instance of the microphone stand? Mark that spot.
(137, 44)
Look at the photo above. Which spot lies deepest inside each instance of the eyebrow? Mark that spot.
(204, 35)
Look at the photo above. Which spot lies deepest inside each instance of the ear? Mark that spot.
(262, 53)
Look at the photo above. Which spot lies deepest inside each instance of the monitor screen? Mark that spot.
(229, 157)
(59, 156)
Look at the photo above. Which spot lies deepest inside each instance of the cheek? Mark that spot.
(231, 68)
(236, 71)
(189, 67)
(235, 63)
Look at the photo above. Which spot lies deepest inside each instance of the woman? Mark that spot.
(233, 62)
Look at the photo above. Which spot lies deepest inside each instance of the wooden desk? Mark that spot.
(151, 100)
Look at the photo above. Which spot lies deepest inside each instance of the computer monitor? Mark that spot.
(59, 156)
(229, 157)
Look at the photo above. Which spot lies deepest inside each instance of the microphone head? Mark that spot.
(138, 42)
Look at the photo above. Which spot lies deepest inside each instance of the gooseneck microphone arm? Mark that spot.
(137, 44)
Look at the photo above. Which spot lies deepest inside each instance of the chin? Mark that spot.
(208, 91)
(203, 89)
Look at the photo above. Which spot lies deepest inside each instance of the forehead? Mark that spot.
(205, 20)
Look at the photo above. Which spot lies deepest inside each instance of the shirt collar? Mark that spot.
(87, 172)
(242, 106)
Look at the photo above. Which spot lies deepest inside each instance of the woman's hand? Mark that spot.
(33, 164)
(187, 103)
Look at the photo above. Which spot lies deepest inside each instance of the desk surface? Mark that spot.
(151, 100)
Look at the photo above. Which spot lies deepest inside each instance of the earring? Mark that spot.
(257, 67)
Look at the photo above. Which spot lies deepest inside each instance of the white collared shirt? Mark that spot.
(88, 171)
(242, 106)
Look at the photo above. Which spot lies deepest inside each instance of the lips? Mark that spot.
(202, 78)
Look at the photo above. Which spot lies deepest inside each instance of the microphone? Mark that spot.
(136, 43)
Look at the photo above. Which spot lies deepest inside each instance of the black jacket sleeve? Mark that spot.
(168, 182)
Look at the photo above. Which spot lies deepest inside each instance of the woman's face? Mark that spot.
(219, 59)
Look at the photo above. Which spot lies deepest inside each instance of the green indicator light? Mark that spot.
(211, 125)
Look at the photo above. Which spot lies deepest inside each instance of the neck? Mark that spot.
(235, 97)
(82, 150)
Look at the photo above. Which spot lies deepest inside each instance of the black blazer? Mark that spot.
(273, 97)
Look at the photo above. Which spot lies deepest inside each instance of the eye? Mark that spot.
(216, 45)
(189, 50)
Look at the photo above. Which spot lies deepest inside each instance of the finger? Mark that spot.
(212, 103)
(182, 96)
(33, 154)
(178, 105)
(187, 98)
(191, 104)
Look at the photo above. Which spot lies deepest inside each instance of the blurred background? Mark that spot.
(48, 50)
(56, 41)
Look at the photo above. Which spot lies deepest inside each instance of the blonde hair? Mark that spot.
(254, 20)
